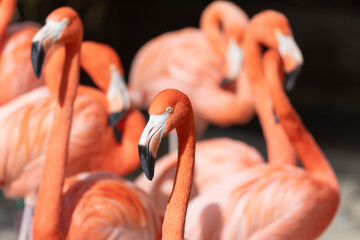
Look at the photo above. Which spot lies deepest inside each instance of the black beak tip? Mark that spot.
(224, 82)
(290, 78)
(276, 117)
(114, 118)
(117, 134)
(37, 57)
(147, 161)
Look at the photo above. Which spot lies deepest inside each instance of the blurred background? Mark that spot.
(327, 93)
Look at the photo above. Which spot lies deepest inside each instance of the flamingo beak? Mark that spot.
(290, 78)
(234, 58)
(150, 141)
(117, 96)
(42, 41)
(37, 57)
(116, 117)
(292, 58)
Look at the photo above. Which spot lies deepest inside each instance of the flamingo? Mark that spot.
(196, 61)
(92, 139)
(222, 157)
(16, 75)
(73, 214)
(269, 201)
(171, 109)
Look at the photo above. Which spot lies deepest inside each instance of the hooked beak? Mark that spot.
(290, 78)
(292, 58)
(150, 141)
(37, 57)
(117, 96)
(42, 40)
(234, 58)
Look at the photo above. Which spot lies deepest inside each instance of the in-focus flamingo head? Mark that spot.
(168, 110)
(63, 25)
(272, 29)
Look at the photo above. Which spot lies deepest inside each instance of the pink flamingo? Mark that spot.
(92, 139)
(196, 61)
(52, 219)
(171, 109)
(16, 75)
(271, 201)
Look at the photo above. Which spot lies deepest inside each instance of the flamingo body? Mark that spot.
(263, 202)
(196, 62)
(105, 206)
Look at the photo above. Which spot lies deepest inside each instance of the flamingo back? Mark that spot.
(25, 124)
(182, 60)
(264, 202)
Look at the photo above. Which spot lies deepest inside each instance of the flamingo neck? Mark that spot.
(210, 26)
(175, 215)
(306, 147)
(279, 149)
(131, 128)
(47, 219)
(7, 8)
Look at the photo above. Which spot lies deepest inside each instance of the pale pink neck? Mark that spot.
(209, 25)
(47, 219)
(306, 147)
(279, 149)
(175, 215)
(7, 8)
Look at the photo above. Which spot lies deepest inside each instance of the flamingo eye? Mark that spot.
(169, 110)
(66, 21)
(221, 26)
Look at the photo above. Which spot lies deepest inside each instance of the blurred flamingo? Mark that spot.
(171, 109)
(219, 158)
(92, 138)
(16, 74)
(75, 214)
(271, 201)
(198, 62)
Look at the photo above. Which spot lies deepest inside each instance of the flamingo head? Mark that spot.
(117, 96)
(63, 26)
(272, 29)
(224, 24)
(168, 110)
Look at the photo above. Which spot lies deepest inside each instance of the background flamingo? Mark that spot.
(51, 221)
(271, 201)
(16, 74)
(196, 61)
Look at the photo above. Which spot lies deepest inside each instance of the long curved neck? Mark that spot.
(210, 23)
(7, 8)
(47, 220)
(306, 147)
(131, 128)
(175, 215)
(279, 149)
